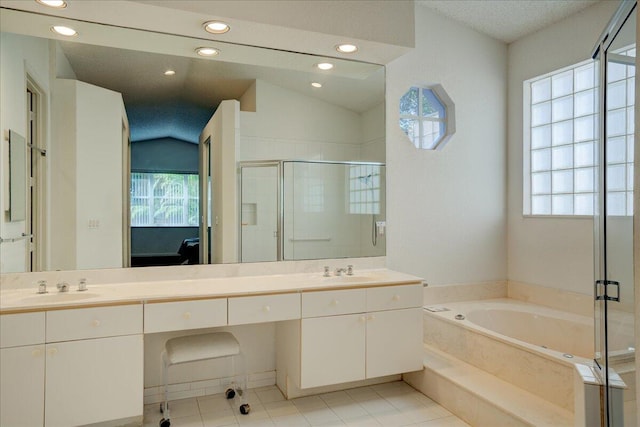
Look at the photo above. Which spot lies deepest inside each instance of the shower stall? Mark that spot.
(295, 210)
(616, 304)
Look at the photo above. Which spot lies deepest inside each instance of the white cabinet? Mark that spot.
(22, 365)
(332, 350)
(351, 335)
(22, 386)
(94, 380)
(183, 315)
(394, 342)
(263, 308)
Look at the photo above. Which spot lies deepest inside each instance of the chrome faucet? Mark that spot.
(339, 271)
(42, 286)
(63, 286)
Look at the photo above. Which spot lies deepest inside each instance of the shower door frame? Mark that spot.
(604, 293)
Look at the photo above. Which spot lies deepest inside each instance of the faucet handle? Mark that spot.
(42, 286)
(82, 285)
(62, 286)
(349, 270)
(326, 271)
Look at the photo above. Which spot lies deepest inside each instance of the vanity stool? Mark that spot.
(193, 348)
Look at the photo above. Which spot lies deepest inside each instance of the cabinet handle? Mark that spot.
(52, 351)
(363, 318)
(187, 315)
(335, 302)
(371, 317)
(266, 309)
(36, 353)
(95, 323)
(396, 297)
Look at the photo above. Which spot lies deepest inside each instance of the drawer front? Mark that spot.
(264, 308)
(98, 322)
(329, 303)
(394, 297)
(181, 315)
(21, 329)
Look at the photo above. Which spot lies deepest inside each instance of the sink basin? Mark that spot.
(350, 279)
(57, 297)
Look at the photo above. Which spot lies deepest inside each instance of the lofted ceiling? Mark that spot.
(507, 20)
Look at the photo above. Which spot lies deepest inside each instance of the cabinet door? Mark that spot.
(22, 386)
(332, 350)
(394, 342)
(91, 381)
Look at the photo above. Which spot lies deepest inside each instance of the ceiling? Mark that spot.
(507, 20)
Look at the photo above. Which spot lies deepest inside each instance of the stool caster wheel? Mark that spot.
(230, 393)
(245, 409)
(165, 423)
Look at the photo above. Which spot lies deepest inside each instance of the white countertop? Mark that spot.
(21, 300)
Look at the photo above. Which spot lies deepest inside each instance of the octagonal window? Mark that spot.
(427, 116)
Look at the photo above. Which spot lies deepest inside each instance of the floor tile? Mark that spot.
(386, 405)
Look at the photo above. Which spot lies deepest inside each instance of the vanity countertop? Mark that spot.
(23, 300)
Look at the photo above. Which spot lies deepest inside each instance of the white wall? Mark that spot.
(446, 209)
(19, 56)
(86, 177)
(281, 128)
(223, 130)
(553, 252)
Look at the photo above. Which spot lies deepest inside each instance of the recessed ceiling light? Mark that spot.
(347, 48)
(325, 65)
(169, 73)
(64, 31)
(59, 4)
(216, 27)
(316, 84)
(207, 51)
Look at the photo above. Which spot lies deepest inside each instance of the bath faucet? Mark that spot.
(339, 271)
(63, 286)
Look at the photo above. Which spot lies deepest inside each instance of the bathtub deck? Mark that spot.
(480, 398)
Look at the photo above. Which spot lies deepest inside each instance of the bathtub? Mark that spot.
(531, 346)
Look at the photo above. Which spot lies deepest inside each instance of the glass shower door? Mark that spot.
(614, 286)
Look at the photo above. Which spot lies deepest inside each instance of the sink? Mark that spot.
(57, 297)
(350, 279)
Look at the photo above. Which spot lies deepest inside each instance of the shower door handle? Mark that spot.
(605, 295)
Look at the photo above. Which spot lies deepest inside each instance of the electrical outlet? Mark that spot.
(94, 223)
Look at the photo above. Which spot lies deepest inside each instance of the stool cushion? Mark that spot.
(201, 347)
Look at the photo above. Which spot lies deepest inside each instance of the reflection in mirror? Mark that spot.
(117, 121)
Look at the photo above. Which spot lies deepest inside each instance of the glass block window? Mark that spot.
(561, 127)
(427, 116)
(364, 189)
(164, 200)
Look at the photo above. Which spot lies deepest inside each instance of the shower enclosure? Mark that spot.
(615, 358)
(294, 210)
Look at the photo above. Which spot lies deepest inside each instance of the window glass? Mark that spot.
(164, 200)
(427, 116)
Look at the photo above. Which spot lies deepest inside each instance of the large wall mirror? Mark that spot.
(157, 155)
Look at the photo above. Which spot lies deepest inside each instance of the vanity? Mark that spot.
(78, 357)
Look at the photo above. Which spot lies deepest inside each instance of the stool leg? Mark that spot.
(165, 381)
(242, 390)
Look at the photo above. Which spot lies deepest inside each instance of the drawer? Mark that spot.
(394, 297)
(329, 303)
(97, 322)
(264, 308)
(21, 329)
(181, 315)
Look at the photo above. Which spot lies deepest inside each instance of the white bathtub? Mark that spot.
(531, 346)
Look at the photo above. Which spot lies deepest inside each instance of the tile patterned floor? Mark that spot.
(389, 405)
